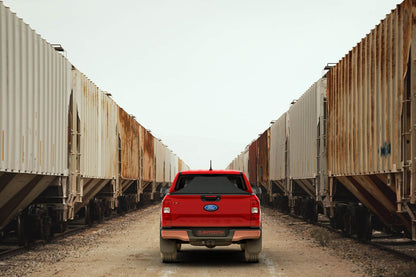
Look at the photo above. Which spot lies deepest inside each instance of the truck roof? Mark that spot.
(200, 171)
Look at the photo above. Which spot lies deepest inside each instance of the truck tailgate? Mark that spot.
(189, 211)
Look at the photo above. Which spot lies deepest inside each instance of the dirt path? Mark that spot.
(129, 246)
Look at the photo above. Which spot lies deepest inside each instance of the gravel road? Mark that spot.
(129, 246)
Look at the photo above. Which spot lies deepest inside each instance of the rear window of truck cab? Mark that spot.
(210, 184)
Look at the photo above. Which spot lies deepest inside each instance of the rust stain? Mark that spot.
(263, 157)
(107, 112)
(148, 155)
(179, 165)
(129, 135)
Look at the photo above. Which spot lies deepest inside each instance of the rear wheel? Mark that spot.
(252, 250)
(168, 250)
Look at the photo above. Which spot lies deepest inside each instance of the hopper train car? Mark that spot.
(66, 148)
(347, 147)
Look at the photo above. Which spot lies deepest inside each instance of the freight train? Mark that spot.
(67, 149)
(347, 147)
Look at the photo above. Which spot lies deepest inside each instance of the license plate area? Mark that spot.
(210, 232)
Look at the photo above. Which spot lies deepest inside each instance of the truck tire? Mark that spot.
(168, 250)
(252, 250)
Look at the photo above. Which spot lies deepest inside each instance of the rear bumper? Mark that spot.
(231, 235)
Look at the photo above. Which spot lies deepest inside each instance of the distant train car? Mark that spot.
(252, 163)
(245, 162)
(263, 149)
(279, 191)
(305, 155)
(167, 172)
(148, 158)
(129, 156)
(290, 156)
(93, 155)
(173, 166)
(160, 149)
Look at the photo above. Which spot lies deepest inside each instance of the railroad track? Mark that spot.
(397, 245)
(13, 248)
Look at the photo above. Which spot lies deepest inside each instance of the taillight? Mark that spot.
(255, 210)
(166, 210)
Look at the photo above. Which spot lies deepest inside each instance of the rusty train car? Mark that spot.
(66, 148)
(347, 147)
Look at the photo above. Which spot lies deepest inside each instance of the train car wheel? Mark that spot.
(347, 229)
(20, 228)
(285, 205)
(364, 226)
(87, 215)
(45, 228)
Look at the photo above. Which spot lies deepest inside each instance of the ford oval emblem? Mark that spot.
(211, 208)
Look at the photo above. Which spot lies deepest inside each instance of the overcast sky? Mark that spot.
(205, 76)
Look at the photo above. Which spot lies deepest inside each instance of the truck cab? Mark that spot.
(210, 208)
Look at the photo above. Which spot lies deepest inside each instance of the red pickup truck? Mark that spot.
(210, 208)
